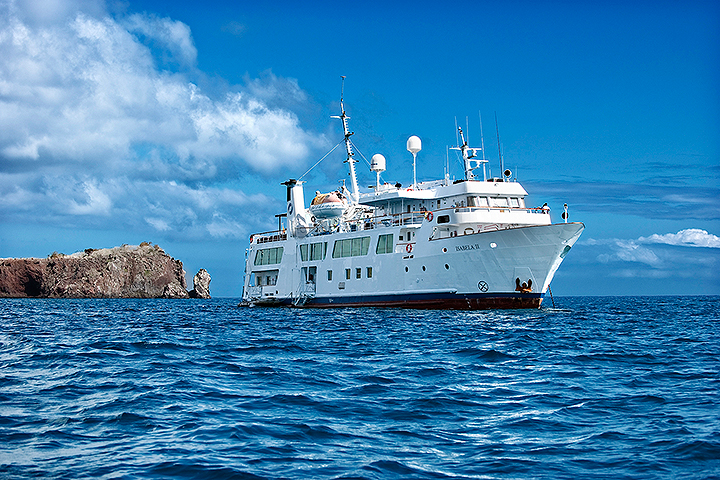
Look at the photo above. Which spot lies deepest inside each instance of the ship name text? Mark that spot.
(462, 248)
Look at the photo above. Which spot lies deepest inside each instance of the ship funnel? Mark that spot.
(414, 145)
(295, 205)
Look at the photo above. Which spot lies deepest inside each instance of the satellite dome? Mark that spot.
(414, 145)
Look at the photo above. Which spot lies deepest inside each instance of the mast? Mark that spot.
(348, 145)
(467, 157)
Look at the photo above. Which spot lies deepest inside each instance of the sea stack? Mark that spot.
(201, 285)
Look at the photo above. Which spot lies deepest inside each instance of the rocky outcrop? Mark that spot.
(201, 285)
(143, 271)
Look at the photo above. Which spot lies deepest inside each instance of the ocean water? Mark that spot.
(600, 387)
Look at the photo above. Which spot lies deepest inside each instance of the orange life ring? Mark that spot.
(408, 248)
(429, 216)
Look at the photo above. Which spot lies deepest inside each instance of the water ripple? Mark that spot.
(599, 387)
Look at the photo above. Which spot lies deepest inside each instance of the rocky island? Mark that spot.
(142, 271)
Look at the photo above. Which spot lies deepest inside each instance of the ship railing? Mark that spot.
(254, 291)
(417, 217)
(306, 291)
(307, 288)
(267, 237)
(369, 223)
(484, 208)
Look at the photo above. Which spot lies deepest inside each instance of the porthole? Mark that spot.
(444, 250)
(493, 245)
(423, 268)
(406, 269)
(447, 267)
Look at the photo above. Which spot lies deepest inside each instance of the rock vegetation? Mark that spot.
(143, 271)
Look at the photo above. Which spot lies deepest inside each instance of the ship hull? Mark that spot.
(467, 272)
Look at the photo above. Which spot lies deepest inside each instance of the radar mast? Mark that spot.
(348, 145)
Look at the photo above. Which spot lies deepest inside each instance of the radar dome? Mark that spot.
(414, 145)
(377, 163)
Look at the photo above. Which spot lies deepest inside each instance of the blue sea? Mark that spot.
(597, 387)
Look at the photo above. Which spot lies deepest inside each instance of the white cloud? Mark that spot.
(97, 202)
(626, 251)
(691, 237)
(171, 34)
(99, 119)
(658, 256)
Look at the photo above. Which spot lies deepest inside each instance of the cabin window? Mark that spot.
(369, 272)
(385, 244)
(351, 247)
(347, 274)
(268, 256)
(481, 201)
(329, 275)
(498, 202)
(358, 273)
(514, 202)
(314, 251)
(443, 219)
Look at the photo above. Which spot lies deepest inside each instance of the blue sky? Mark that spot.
(175, 122)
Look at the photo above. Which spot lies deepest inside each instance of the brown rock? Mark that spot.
(201, 285)
(144, 271)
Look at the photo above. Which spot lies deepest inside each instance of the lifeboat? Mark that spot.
(327, 205)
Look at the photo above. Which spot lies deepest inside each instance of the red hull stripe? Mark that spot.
(425, 301)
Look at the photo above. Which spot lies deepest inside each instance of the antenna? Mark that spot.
(348, 147)
(482, 145)
(468, 154)
(497, 131)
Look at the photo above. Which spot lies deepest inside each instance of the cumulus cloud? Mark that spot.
(692, 237)
(659, 255)
(99, 118)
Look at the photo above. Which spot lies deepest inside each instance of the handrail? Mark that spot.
(404, 218)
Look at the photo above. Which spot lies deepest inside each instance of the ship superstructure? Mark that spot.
(464, 244)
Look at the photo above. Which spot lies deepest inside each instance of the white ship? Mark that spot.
(464, 244)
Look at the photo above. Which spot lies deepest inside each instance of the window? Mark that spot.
(313, 251)
(498, 202)
(481, 202)
(385, 244)
(351, 247)
(514, 202)
(268, 256)
(358, 273)
(347, 274)
(329, 275)
(443, 219)
(369, 272)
